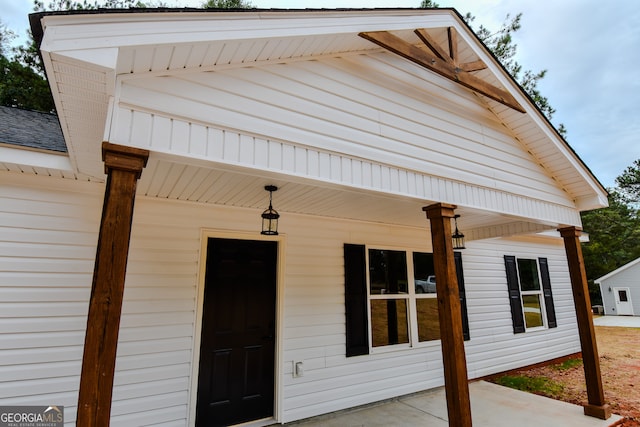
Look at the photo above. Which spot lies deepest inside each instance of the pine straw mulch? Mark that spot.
(619, 350)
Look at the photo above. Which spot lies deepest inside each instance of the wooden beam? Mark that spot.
(433, 45)
(473, 66)
(453, 44)
(452, 57)
(456, 382)
(596, 406)
(444, 67)
(123, 166)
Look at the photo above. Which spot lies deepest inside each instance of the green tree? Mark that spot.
(501, 44)
(22, 87)
(22, 77)
(629, 183)
(20, 84)
(614, 239)
(6, 36)
(227, 4)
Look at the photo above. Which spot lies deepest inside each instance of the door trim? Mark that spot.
(199, 309)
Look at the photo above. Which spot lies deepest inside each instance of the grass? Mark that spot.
(567, 364)
(538, 385)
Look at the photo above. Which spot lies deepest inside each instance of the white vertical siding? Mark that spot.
(47, 245)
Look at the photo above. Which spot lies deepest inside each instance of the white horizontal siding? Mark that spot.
(47, 249)
(371, 107)
(365, 121)
(314, 327)
(44, 293)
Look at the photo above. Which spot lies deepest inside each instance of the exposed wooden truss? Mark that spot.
(445, 63)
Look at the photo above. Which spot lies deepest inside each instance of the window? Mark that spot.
(530, 296)
(531, 292)
(622, 295)
(424, 281)
(390, 298)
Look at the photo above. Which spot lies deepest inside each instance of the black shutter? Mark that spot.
(355, 298)
(546, 288)
(457, 256)
(514, 294)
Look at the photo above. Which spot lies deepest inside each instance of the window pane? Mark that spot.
(424, 275)
(623, 296)
(428, 324)
(532, 310)
(389, 322)
(528, 273)
(387, 272)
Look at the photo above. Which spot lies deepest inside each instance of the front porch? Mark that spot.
(491, 405)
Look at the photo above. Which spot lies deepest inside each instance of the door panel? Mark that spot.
(236, 377)
(623, 301)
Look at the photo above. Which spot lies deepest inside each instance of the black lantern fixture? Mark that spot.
(270, 216)
(457, 236)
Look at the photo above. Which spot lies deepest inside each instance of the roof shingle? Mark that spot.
(33, 129)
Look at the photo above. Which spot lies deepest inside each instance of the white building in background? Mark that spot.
(620, 290)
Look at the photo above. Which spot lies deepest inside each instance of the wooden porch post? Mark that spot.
(123, 166)
(455, 366)
(596, 406)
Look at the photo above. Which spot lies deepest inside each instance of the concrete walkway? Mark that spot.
(491, 406)
(626, 321)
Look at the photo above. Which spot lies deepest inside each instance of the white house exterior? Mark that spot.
(357, 139)
(620, 290)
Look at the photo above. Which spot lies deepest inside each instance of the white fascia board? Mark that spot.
(36, 159)
(599, 198)
(91, 31)
(584, 237)
(597, 201)
(618, 270)
(106, 58)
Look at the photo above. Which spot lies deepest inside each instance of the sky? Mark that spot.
(590, 49)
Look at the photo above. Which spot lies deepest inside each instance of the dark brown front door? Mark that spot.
(236, 376)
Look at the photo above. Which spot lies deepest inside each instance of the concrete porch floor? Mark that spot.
(491, 406)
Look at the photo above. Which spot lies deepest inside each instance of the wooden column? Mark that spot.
(123, 166)
(453, 356)
(596, 406)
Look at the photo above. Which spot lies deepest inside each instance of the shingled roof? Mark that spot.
(32, 129)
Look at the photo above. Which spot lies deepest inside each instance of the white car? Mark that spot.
(426, 286)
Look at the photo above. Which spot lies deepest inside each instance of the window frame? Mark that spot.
(538, 292)
(411, 297)
(515, 293)
(356, 302)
